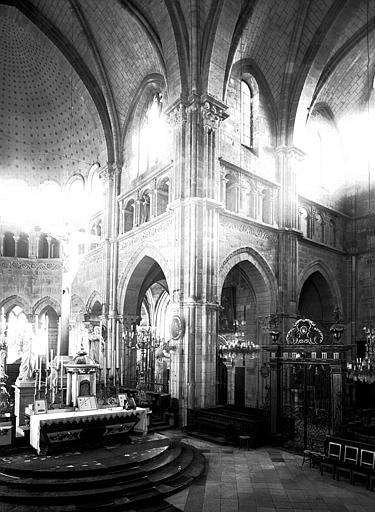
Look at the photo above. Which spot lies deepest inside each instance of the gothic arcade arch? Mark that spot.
(318, 293)
(247, 291)
(259, 274)
(94, 298)
(134, 274)
(15, 300)
(45, 302)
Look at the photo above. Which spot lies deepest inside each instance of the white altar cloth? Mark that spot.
(36, 420)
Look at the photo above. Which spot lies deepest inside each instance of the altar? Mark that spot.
(69, 428)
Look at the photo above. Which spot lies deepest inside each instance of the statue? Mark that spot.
(27, 363)
(4, 395)
(96, 344)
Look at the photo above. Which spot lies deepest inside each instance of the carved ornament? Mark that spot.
(212, 116)
(107, 173)
(304, 332)
(35, 265)
(144, 235)
(255, 231)
(177, 115)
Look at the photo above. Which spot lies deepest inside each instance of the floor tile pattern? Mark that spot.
(266, 480)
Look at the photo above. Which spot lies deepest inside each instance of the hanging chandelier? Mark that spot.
(363, 369)
(235, 344)
(142, 338)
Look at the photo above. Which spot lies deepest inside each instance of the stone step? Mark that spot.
(173, 471)
(82, 481)
(24, 467)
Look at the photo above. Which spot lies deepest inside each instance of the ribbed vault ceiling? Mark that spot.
(70, 69)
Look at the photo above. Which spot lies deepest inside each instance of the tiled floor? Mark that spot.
(266, 480)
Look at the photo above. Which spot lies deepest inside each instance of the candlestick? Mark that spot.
(59, 338)
(61, 373)
(36, 381)
(40, 373)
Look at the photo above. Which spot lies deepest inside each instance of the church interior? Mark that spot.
(187, 236)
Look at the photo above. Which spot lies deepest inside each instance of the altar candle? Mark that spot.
(40, 372)
(59, 338)
(61, 373)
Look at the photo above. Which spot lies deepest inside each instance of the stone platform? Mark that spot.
(113, 477)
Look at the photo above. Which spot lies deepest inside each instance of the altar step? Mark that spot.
(158, 424)
(144, 481)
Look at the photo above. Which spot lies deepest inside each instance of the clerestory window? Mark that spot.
(247, 115)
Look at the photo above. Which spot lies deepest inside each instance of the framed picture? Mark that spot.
(87, 403)
(40, 406)
(122, 399)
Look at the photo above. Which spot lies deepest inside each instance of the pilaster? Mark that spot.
(110, 176)
(288, 162)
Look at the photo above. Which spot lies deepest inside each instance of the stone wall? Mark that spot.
(27, 282)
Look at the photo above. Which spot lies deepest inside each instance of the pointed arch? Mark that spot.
(319, 267)
(262, 278)
(15, 300)
(150, 255)
(41, 304)
(94, 297)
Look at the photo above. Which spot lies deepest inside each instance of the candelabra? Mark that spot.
(145, 340)
(363, 369)
(234, 344)
(4, 395)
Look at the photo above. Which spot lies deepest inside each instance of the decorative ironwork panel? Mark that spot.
(306, 393)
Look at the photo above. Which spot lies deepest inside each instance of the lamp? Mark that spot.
(4, 395)
(234, 344)
(145, 340)
(337, 331)
(363, 369)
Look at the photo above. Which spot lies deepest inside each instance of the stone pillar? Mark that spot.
(65, 299)
(16, 239)
(121, 215)
(196, 198)
(337, 372)
(110, 176)
(288, 161)
(49, 240)
(137, 212)
(275, 393)
(224, 182)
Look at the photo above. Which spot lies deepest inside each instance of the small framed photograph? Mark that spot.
(87, 403)
(40, 406)
(122, 399)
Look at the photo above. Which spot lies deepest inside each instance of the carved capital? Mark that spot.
(213, 113)
(108, 172)
(177, 114)
(291, 152)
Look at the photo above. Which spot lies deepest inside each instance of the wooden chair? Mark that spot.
(371, 482)
(349, 463)
(332, 458)
(366, 467)
(244, 441)
(313, 456)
